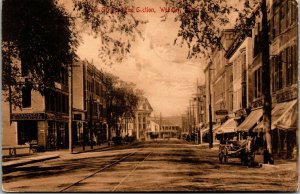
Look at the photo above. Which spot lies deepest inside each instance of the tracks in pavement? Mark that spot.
(107, 167)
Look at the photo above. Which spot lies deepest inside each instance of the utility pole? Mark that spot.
(70, 108)
(267, 101)
(209, 110)
(91, 120)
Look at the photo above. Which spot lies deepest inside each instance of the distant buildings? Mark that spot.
(165, 127)
(142, 120)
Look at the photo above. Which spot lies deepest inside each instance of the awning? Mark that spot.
(206, 130)
(251, 120)
(284, 116)
(228, 127)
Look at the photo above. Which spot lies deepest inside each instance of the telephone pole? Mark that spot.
(70, 80)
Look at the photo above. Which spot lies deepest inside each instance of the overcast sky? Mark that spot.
(155, 65)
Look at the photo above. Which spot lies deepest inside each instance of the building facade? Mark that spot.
(142, 120)
(42, 120)
(89, 104)
(245, 57)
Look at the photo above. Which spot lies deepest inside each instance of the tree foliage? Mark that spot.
(122, 99)
(116, 27)
(38, 36)
(201, 22)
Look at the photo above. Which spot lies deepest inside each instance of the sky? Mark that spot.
(155, 65)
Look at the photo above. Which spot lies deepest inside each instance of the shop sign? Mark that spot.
(28, 116)
(221, 112)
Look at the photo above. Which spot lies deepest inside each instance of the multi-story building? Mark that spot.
(40, 119)
(218, 76)
(45, 119)
(89, 104)
(283, 77)
(142, 119)
(240, 56)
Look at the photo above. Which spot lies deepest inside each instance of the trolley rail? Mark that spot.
(109, 166)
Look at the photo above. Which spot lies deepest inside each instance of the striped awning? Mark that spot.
(251, 120)
(228, 127)
(284, 116)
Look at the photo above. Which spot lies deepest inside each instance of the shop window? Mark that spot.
(26, 97)
(27, 132)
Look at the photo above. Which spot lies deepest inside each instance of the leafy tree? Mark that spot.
(200, 25)
(122, 100)
(38, 39)
(113, 24)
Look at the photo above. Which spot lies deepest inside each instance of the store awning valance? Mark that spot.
(284, 116)
(251, 120)
(228, 127)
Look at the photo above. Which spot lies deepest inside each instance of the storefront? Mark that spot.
(284, 128)
(48, 131)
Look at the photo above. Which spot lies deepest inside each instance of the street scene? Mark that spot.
(148, 167)
(150, 96)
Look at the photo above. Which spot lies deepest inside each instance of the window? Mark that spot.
(258, 83)
(295, 63)
(278, 73)
(26, 97)
(289, 66)
(24, 69)
(276, 24)
(283, 11)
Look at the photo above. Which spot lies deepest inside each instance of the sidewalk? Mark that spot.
(8, 163)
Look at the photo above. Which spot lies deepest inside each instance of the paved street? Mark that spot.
(153, 166)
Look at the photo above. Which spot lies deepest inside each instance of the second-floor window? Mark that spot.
(258, 83)
(26, 97)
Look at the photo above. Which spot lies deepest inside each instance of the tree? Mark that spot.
(200, 25)
(38, 40)
(113, 23)
(122, 100)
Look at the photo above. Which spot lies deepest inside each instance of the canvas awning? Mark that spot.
(251, 120)
(206, 130)
(284, 116)
(228, 127)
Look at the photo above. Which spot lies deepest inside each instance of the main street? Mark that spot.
(152, 166)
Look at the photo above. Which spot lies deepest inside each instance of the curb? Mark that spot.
(12, 164)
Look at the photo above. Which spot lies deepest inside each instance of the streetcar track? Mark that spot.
(114, 189)
(98, 171)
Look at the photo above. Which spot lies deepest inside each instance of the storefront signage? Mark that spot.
(221, 112)
(28, 116)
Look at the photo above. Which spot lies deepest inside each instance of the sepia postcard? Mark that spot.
(149, 96)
